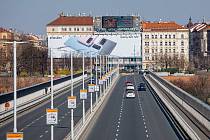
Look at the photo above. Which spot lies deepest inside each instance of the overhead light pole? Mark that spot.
(96, 69)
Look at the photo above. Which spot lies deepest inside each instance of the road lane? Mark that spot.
(131, 119)
(33, 124)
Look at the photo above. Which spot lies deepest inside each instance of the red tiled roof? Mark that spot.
(4, 30)
(161, 26)
(72, 20)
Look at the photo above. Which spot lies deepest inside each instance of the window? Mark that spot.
(152, 36)
(63, 29)
(53, 29)
(156, 36)
(169, 43)
(146, 50)
(82, 29)
(169, 36)
(161, 50)
(153, 58)
(156, 43)
(174, 50)
(182, 36)
(182, 50)
(146, 43)
(166, 43)
(147, 58)
(146, 36)
(182, 43)
(161, 43)
(75, 29)
(69, 29)
(161, 36)
(169, 50)
(4, 37)
(153, 51)
(174, 36)
(166, 36)
(166, 50)
(174, 43)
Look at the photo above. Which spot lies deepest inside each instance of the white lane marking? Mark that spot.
(46, 131)
(41, 136)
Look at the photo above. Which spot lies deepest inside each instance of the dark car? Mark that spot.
(142, 87)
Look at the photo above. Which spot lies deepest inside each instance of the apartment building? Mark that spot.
(200, 44)
(74, 25)
(164, 45)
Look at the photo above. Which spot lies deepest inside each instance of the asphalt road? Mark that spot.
(131, 119)
(33, 124)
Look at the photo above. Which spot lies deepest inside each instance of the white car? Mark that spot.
(130, 94)
(130, 87)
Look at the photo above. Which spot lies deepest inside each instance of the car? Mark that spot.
(131, 87)
(142, 87)
(130, 94)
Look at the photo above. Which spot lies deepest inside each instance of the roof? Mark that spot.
(161, 26)
(4, 30)
(72, 20)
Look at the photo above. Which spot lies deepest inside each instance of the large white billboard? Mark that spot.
(122, 45)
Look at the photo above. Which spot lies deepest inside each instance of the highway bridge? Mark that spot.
(155, 114)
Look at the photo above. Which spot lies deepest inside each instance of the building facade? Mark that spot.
(112, 35)
(164, 45)
(199, 45)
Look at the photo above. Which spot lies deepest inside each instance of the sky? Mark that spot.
(31, 16)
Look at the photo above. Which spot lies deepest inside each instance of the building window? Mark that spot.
(161, 43)
(166, 36)
(153, 58)
(182, 36)
(169, 36)
(146, 43)
(146, 36)
(152, 36)
(182, 43)
(166, 43)
(82, 29)
(156, 36)
(153, 51)
(182, 50)
(63, 29)
(75, 29)
(169, 50)
(146, 58)
(69, 29)
(166, 51)
(53, 29)
(161, 50)
(4, 37)
(174, 43)
(161, 36)
(146, 50)
(174, 36)
(174, 50)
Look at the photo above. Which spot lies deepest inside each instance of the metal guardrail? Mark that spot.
(195, 103)
(28, 90)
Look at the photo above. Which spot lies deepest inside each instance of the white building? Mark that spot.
(164, 45)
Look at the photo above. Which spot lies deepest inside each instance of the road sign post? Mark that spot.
(72, 102)
(52, 116)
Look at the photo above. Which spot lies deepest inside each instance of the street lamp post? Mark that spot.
(96, 80)
(51, 71)
(72, 93)
(91, 82)
(15, 87)
(83, 86)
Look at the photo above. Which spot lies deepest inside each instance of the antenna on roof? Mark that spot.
(203, 20)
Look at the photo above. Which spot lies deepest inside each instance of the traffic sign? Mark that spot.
(15, 136)
(83, 94)
(96, 88)
(100, 81)
(72, 102)
(91, 87)
(52, 116)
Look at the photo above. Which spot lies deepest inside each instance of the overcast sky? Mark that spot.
(32, 15)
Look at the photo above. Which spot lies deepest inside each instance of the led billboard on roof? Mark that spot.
(117, 22)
